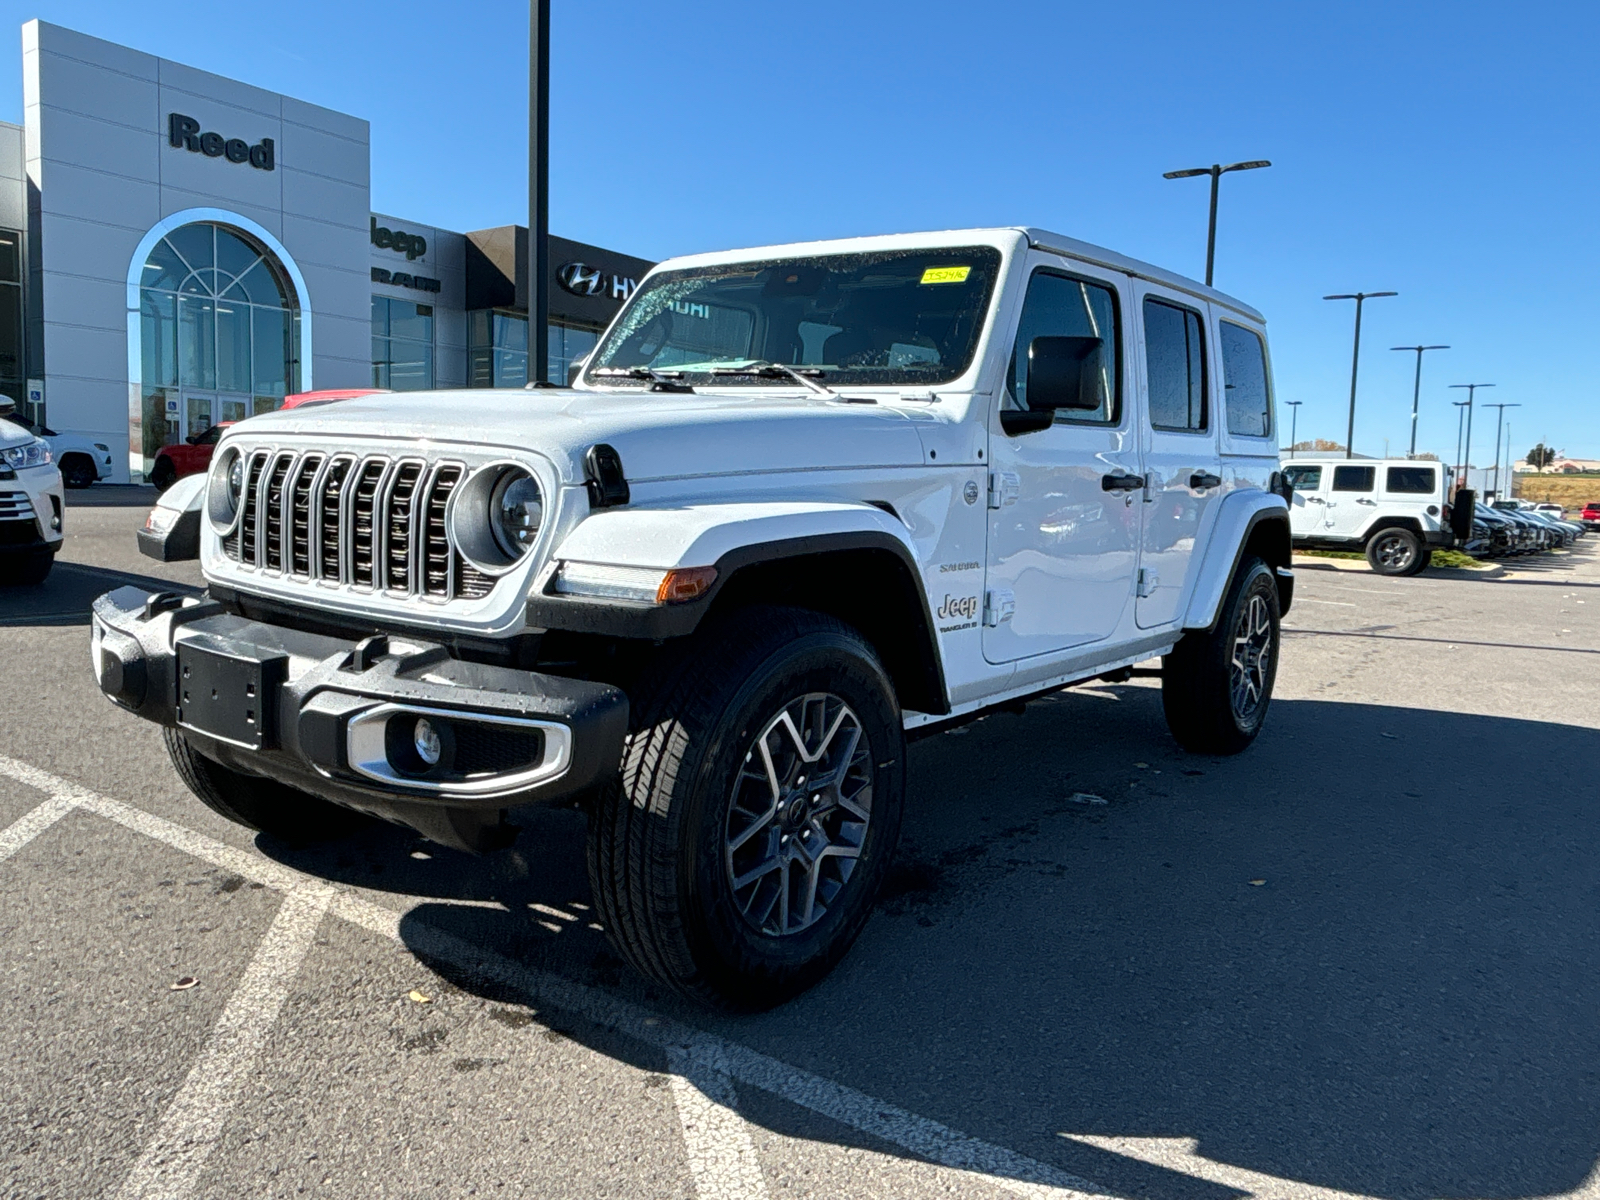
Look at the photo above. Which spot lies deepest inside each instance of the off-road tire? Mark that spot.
(1197, 678)
(163, 475)
(657, 835)
(26, 568)
(1395, 552)
(264, 805)
(77, 471)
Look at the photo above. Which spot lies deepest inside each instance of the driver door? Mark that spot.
(1063, 541)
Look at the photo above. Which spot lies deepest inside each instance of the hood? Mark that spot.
(659, 435)
(12, 434)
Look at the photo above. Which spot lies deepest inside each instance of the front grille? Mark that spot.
(375, 523)
(14, 506)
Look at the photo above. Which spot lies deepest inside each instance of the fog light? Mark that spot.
(425, 740)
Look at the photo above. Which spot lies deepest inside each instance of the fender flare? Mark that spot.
(1239, 516)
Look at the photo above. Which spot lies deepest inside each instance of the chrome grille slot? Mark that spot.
(342, 519)
(298, 560)
(272, 510)
(329, 526)
(362, 526)
(399, 512)
(247, 519)
(435, 544)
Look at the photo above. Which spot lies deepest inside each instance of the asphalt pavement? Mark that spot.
(1360, 959)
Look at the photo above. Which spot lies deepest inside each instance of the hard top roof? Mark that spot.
(1040, 239)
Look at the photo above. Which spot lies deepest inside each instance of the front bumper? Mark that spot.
(31, 507)
(336, 718)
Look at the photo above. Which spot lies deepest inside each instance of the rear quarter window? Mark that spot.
(1244, 381)
(1303, 478)
(1410, 481)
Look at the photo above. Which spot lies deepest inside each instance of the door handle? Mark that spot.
(1121, 482)
(1202, 479)
(1364, 500)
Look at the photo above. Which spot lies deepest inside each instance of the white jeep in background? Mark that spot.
(804, 502)
(80, 460)
(1396, 510)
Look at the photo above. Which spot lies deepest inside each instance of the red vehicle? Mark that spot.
(1591, 514)
(193, 454)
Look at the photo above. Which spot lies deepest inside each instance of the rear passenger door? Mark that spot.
(1178, 432)
(1351, 499)
(1308, 509)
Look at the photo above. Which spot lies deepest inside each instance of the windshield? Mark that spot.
(888, 317)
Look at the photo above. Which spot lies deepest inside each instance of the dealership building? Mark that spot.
(179, 249)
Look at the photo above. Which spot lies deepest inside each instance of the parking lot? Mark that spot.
(1360, 959)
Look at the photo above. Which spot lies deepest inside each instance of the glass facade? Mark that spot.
(402, 345)
(11, 366)
(220, 335)
(498, 349)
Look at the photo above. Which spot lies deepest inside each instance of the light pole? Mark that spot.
(1294, 422)
(1471, 390)
(1416, 390)
(539, 191)
(1511, 477)
(1461, 416)
(1216, 171)
(1498, 417)
(1355, 360)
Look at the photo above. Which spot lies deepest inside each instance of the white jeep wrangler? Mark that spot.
(1396, 510)
(802, 503)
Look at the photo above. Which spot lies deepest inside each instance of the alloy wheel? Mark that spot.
(798, 815)
(1252, 655)
(1395, 553)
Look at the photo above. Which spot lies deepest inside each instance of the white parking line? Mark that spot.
(32, 823)
(702, 1053)
(169, 1168)
(722, 1156)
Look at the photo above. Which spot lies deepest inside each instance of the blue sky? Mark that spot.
(1445, 151)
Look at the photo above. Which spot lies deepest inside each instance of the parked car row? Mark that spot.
(1519, 527)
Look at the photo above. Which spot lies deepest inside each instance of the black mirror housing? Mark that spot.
(1064, 373)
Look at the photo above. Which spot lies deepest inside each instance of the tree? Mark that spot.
(1540, 457)
(1322, 444)
(1427, 456)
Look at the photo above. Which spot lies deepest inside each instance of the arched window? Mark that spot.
(219, 333)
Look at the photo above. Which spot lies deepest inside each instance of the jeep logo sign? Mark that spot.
(412, 245)
(583, 280)
(183, 133)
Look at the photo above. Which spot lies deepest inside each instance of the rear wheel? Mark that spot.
(1216, 685)
(264, 805)
(738, 856)
(1395, 552)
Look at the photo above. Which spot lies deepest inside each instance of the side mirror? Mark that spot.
(1064, 372)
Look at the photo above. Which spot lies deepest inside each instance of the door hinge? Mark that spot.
(1004, 487)
(999, 604)
(1149, 581)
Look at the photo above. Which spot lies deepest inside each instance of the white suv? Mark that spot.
(804, 502)
(1395, 509)
(30, 504)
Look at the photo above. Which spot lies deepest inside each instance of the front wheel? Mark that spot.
(1216, 684)
(163, 475)
(738, 856)
(78, 471)
(1396, 552)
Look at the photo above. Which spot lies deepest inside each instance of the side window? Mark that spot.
(210, 437)
(1303, 478)
(1409, 481)
(1354, 479)
(1244, 379)
(1175, 362)
(1060, 306)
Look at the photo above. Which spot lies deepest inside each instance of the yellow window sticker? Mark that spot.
(946, 274)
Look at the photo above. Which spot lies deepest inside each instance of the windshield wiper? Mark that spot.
(659, 381)
(762, 369)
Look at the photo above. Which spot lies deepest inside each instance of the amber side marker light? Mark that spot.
(683, 584)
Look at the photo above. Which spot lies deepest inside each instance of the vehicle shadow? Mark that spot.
(1363, 955)
(67, 596)
(113, 495)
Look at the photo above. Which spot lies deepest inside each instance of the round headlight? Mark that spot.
(495, 516)
(516, 512)
(224, 490)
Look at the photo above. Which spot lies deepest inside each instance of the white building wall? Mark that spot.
(96, 148)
